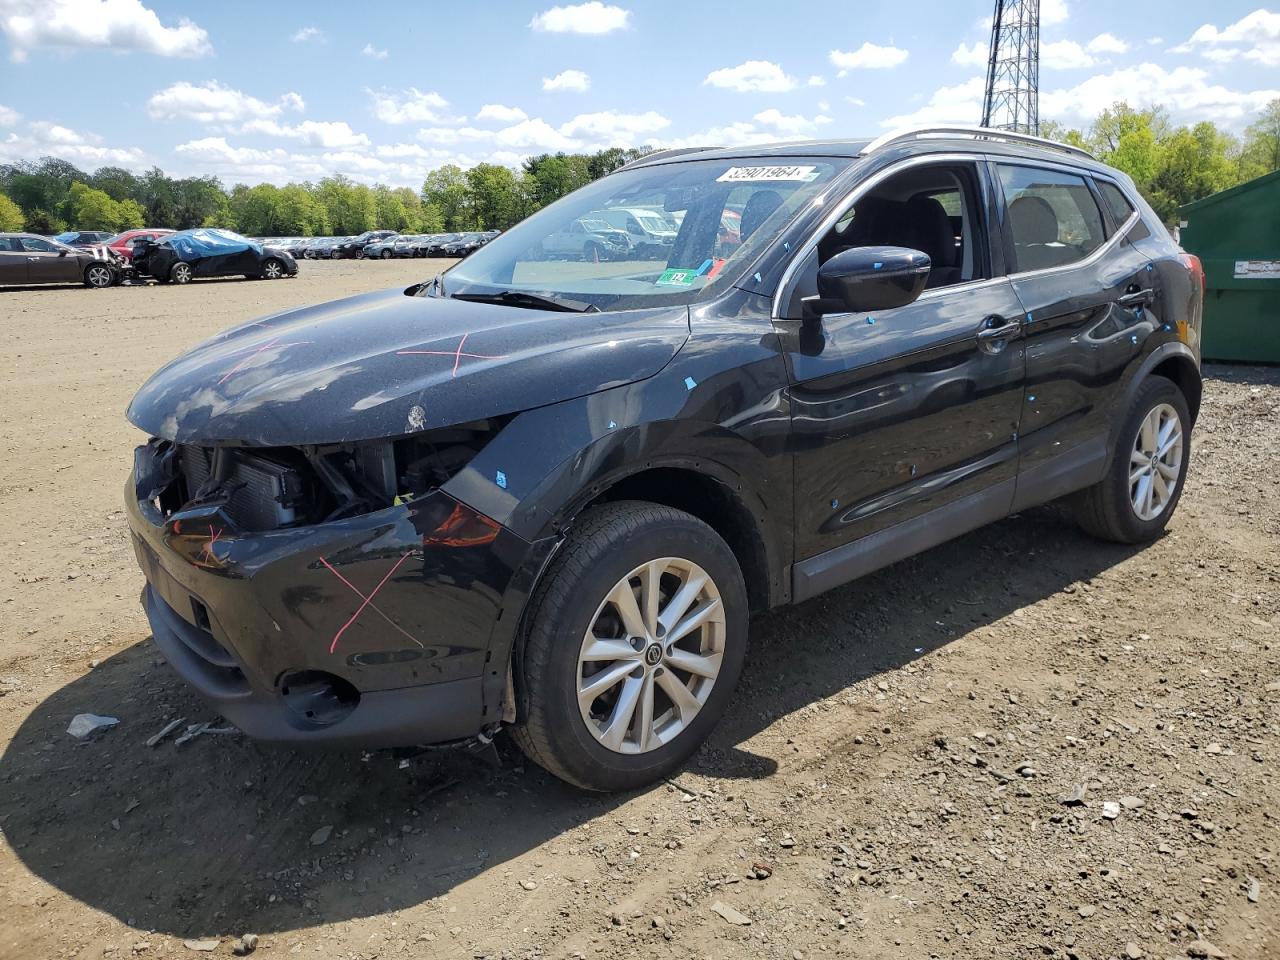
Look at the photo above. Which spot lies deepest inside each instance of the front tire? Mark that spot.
(99, 276)
(633, 644)
(180, 273)
(272, 269)
(1134, 501)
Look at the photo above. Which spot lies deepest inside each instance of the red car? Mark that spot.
(122, 243)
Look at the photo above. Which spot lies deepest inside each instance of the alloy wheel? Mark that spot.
(99, 276)
(272, 270)
(651, 656)
(1155, 462)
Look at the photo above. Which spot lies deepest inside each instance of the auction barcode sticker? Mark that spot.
(757, 174)
(1257, 270)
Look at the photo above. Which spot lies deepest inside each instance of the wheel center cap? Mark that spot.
(653, 654)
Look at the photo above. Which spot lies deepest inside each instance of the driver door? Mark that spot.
(47, 263)
(904, 421)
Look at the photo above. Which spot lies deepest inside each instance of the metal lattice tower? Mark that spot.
(1012, 101)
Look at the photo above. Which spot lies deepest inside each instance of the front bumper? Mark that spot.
(375, 631)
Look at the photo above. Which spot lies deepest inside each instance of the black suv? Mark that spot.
(546, 495)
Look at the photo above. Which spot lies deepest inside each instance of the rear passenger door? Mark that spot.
(1084, 289)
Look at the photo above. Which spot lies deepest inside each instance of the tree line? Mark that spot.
(1171, 165)
(50, 195)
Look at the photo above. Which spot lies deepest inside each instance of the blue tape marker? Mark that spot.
(501, 480)
(612, 425)
(878, 265)
(835, 504)
(706, 265)
(1028, 318)
(690, 383)
(1031, 399)
(1134, 338)
(870, 320)
(1150, 268)
(756, 277)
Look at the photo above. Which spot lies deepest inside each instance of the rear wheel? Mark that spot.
(180, 273)
(272, 269)
(633, 645)
(1134, 501)
(98, 276)
(387, 254)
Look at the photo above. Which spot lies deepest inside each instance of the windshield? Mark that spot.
(572, 250)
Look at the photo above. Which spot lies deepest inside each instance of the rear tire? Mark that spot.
(621, 550)
(387, 254)
(1142, 487)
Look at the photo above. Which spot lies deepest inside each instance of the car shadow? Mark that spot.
(1250, 374)
(223, 835)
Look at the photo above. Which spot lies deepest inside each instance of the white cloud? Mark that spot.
(45, 138)
(1255, 38)
(971, 55)
(451, 136)
(795, 126)
(1051, 12)
(960, 103)
(855, 101)
(535, 134)
(572, 81)
(1107, 43)
(592, 17)
(817, 81)
(121, 26)
(307, 33)
(330, 134)
(615, 129)
(1065, 55)
(409, 106)
(1185, 91)
(211, 102)
(753, 76)
(735, 134)
(869, 56)
(369, 50)
(500, 113)
(8, 116)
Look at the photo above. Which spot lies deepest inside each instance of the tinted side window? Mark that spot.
(36, 245)
(1120, 206)
(1052, 216)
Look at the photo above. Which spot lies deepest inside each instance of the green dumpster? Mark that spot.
(1236, 235)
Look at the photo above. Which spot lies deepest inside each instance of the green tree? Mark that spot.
(390, 212)
(301, 215)
(1261, 153)
(350, 208)
(495, 195)
(257, 210)
(446, 189)
(117, 183)
(129, 215)
(90, 209)
(431, 220)
(10, 215)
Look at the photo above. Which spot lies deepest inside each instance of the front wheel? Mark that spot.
(1134, 501)
(180, 273)
(387, 254)
(633, 645)
(272, 269)
(99, 276)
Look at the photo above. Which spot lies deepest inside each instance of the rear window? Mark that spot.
(1052, 216)
(1115, 199)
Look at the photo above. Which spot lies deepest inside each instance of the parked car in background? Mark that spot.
(435, 245)
(83, 238)
(647, 230)
(354, 246)
(587, 238)
(385, 248)
(466, 244)
(321, 248)
(570, 485)
(191, 254)
(122, 243)
(27, 258)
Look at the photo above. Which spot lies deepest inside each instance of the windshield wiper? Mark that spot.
(517, 298)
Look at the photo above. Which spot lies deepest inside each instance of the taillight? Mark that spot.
(1192, 263)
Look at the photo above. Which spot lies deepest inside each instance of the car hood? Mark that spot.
(385, 365)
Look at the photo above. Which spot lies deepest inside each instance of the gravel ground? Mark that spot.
(1021, 744)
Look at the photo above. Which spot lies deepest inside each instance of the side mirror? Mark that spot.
(870, 278)
(62, 252)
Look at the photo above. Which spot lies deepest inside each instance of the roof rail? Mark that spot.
(977, 133)
(663, 155)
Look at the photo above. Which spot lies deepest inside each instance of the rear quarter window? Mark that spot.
(1115, 200)
(1053, 217)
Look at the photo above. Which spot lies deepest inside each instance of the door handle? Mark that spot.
(998, 328)
(1136, 298)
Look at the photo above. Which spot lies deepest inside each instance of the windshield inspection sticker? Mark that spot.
(683, 277)
(758, 174)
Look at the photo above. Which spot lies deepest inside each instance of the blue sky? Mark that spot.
(384, 92)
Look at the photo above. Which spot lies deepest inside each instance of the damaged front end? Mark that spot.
(327, 593)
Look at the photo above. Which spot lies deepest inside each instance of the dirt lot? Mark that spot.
(890, 782)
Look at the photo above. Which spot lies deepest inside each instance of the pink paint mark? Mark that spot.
(367, 600)
(456, 354)
(251, 352)
(213, 538)
(376, 609)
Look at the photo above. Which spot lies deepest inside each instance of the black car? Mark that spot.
(192, 254)
(465, 245)
(83, 238)
(546, 495)
(354, 246)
